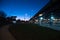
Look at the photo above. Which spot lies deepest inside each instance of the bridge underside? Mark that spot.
(50, 12)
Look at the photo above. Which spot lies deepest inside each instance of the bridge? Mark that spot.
(48, 15)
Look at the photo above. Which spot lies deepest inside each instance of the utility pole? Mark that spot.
(25, 16)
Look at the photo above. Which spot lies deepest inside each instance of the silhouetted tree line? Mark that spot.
(4, 20)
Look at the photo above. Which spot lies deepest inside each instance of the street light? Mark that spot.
(25, 16)
(52, 18)
(41, 18)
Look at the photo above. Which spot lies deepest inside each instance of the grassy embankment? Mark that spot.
(33, 32)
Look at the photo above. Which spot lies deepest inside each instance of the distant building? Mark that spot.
(14, 17)
(11, 19)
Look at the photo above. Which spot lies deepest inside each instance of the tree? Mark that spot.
(2, 18)
(2, 14)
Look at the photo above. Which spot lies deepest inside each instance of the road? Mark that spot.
(5, 34)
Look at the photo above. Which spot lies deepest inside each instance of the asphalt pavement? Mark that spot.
(5, 34)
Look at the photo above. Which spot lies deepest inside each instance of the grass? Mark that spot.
(33, 32)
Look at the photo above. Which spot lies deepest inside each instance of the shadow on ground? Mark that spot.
(33, 32)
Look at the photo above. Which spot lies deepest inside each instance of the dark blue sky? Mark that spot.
(22, 8)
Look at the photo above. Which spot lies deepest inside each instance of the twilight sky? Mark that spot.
(22, 8)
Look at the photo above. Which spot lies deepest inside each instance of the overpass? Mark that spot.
(50, 11)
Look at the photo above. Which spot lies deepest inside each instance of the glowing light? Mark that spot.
(41, 18)
(40, 14)
(52, 17)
